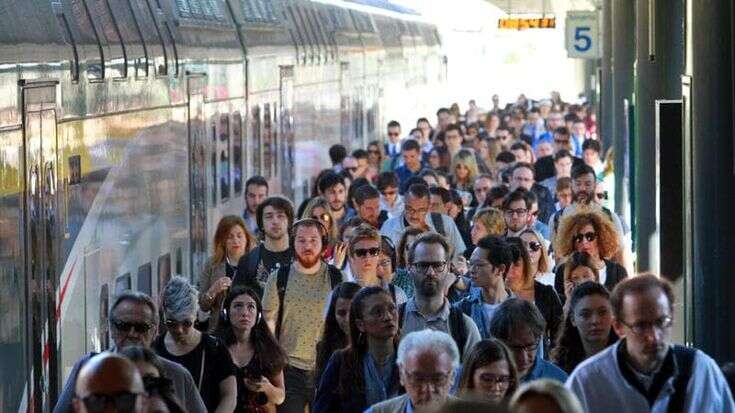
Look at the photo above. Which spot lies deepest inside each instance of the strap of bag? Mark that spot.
(684, 362)
(438, 222)
(281, 284)
(201, 368)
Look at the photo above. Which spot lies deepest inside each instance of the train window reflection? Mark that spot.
(267, 141)
(179, 262)
(213, 162)
(104, 335)
(122, 283)
(256, 141)
(164, 270)
(145, 284)
(237, 153)
(224, 156)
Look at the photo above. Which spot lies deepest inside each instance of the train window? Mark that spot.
(164, 270)
(213, 161)
(237, 153)
(300, 36)
(276, 141)
(259, 11)
(88, 35)
(309, 30)
(224, 156)
(110, 38)
(267, 141)
(318, 29)
(69, 39)
(122, 283)
(145, 284)
(256, 140)
(104, 326)
(179, 261)
(149, 31)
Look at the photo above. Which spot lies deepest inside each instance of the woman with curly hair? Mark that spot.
(595, 234)
(587, 326)
(365, 373)
(465, 170)
(318, 208)
(489, 373)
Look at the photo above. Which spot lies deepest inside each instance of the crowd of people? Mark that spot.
(471, 264)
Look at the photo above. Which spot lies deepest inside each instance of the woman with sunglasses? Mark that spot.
(203, 355)
(318, 208)
(594, 234)
(376, 158)
(258, 359)
(489, 372)
(336, 333)
(536, 247)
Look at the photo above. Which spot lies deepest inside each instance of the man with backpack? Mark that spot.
(428, 266)
(293, 306)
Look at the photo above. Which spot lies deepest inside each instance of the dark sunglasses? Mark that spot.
(393, 134)
(123, 402)
(601, 195)
(125, 327)
(363, 252)
(174, 323)
(534, 246)
(589, 236)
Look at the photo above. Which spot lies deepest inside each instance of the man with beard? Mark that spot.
(644, 371)
(256, 191)
(428, 265)
(274, 217)
(333, 189)
(583, 198)
(367, 202)
(109, 379)
(293, 306)
(134, 322)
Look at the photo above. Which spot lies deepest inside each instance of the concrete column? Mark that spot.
(658, 71)
(606, 109)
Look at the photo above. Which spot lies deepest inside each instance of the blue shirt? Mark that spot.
(543, 369)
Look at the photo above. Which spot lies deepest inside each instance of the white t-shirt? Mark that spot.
(602, 274)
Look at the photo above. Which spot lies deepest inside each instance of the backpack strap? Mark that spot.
(392, 289)
(684, 358)
(281, 284)
(438, 222)
(251, 266)
(457, 328)
(401, 314)
(335, 276)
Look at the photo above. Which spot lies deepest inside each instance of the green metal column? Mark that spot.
(606, 109)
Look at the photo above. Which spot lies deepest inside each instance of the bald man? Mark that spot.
(109, 382)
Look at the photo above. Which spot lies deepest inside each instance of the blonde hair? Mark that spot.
(492, 219)
(322, 203)
(543, 261)
(564, 399)
(608, 242)
(466, 157)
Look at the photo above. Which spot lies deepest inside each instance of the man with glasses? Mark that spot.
(426, 362)
(644, 371)
(107, 380)
(134, 322)
(522, 176)
(428, 266)
(520, 326)
(393, 146)
(516, 207)
(417, 215)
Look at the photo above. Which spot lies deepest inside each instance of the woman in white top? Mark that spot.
(540, 261)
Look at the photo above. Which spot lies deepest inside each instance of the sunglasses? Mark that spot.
(126, 327)
(601, 195)
(589, 236)
(123, 402)
(534, 246)
(173, 323)
(364, 252)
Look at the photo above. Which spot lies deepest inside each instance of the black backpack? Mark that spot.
(335, 277)
(684, 357)
(457, 326)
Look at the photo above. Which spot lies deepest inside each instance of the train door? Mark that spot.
(288, 182)
(41, 239)
(197, 173)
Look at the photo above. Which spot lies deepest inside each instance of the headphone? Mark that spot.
(310, 222)
(226, 316)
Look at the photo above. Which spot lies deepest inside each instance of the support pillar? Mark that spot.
(606, 108)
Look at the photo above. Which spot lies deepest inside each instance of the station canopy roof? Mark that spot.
(514, 7)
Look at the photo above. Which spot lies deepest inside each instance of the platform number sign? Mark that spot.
(583, 35)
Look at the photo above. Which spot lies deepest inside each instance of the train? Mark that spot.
(128, 129)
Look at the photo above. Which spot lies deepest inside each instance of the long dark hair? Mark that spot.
(569, 351)
(268, 353)
(333, 338)
(485, 353)
(351, 374)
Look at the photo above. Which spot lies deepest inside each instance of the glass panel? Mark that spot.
(123, 282)
(213, 161)
(164, 271)
(267, 141)
(144, 279)
(257, 147)
(224, 156)
(12, 333)
(237, 154)
(104, 313)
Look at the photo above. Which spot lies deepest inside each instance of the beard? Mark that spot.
(583, 197)
(430, 287)
(310, 261)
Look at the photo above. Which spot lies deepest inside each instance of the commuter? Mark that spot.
(562, 167)
(535, 245)
(533, 222)
(334, 190)
(387, 261)
(318, 208)
(464, 167)
(544, 149)
(256, 191)
(158, 387)
(522, 177)
(393, 146)
(429, 257)
(349, 167)
(336, 333)
(364, 254)
(562, 141)
(134, 322)
(363, 165)
(644, 371)
(577, 270)
(492, 123)
(109, 383)
(412, 164)
(587, 326)
(440, 199)
(520, 326)
(424, 126)
(496, 196)
(258, 360)
(504, 163)
(417, 215)
(378, 161)
(232, 241)
(365, 372)
(522, 152)
(275, 216)
(515, 210)
(402, 277)
(427, 361)
(337, 153)
(203, 355)
(293, 305)
(554, 120)
(579, 135)
(545, 395)
(443, 120)
(443, 179)
(591, 155)
(453, 137)
(522, 282)
(390, 200)
(341, 249)
(430, 177)
(488, 268)
(315, 191)
(489, 372)
(456, 211)
(480, 189)
(593, 233)
(439, 159)
(367, 205)
(505, 137)
(563, 194)
(487, 221)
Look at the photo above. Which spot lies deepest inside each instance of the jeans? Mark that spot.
(299, 390)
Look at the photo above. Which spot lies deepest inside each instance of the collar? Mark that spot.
(443, 313)
(536, 371)
(509, 233)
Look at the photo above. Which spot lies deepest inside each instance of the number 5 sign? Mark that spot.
(583, 34)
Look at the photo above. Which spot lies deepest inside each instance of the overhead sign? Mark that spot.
(583, 35)
(518, 23)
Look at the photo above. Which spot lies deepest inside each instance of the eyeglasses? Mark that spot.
(477, 264)
(435, 380)
(385, 263)
(423, 267)
(393, 134)
(123, 402)
(642, 327)
(363, 252)
(601, 195)
(589, 236)
(389, 193)
(534, 246)
(529, 348)
(186, 324)
(519, 212)
(411, 211)
(501, 381)
(127, 327)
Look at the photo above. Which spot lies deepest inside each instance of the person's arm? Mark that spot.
(227, 395)
(275, 389)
